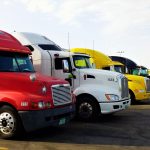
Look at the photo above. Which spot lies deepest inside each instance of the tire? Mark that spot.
(132, 97)
(87, 109)
(10, 124)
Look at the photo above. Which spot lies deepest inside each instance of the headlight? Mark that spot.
(112, 97)
(41, 105)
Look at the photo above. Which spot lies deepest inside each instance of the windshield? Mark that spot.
(49, 47)
(140, 71)
(82, 62)
(119, 69)
(14, 62)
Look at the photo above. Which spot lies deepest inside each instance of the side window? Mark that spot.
(6, 63)
(50, 47)
(58, 64)
(106, 68)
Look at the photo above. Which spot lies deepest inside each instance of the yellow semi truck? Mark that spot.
(139, 86)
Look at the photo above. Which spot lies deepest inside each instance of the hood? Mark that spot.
(102, 78)
(49, 79)
(134, 77)
(100, 72)
(27, 82)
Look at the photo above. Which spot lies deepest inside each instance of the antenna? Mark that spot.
(68, 42)
(120, 52)
(93, 49)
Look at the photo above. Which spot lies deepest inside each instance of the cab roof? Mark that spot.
(143, 67)
(11, 44)
(126, 61)
(101, 60)
(28, 38)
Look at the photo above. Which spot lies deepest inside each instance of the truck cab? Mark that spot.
(29, 100)
(141, 71)
(139, 87)
(136, 78)
(97, 91)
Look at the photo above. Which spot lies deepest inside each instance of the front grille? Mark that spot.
(61, 94)
(147, 85)
(124, 88)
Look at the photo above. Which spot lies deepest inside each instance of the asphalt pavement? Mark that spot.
(125, 130)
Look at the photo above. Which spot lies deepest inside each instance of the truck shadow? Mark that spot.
(143, 102)
(127, 128)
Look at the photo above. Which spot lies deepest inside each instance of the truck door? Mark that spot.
(63, 69)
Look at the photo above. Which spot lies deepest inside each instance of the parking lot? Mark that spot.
(129, 129)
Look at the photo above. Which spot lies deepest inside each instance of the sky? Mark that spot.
(109, 26)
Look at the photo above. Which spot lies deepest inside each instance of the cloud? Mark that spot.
(7, 2)
(113, 24)
(126, 15)
(71, 10)
(118, 16)
(44, 6)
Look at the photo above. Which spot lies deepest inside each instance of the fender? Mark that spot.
(135, 86)
(97, 92)
(138, 90)
(13, 98)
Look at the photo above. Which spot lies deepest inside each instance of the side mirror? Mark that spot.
(65, 66)
(30, 57)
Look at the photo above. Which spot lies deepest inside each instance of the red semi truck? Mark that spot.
(29, 101)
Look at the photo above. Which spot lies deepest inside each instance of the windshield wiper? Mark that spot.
(27, 70)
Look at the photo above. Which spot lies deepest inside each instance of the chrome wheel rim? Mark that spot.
(6, 123)
(85, 110)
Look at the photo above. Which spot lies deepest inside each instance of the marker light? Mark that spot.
(56, 55)
(38, 105)
(44, 89)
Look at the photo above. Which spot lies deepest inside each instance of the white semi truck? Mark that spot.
(97, 91)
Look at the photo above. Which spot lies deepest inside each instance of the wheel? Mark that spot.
(132, 97)
(10, 125)
(87, 108)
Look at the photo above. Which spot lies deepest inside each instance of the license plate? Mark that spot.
(126, 106)
(62, 121)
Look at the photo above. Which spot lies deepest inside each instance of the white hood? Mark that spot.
(100, 72)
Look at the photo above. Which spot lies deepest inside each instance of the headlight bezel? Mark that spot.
(112, 97)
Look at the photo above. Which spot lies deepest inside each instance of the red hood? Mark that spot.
(50, 79)
(21, 82)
